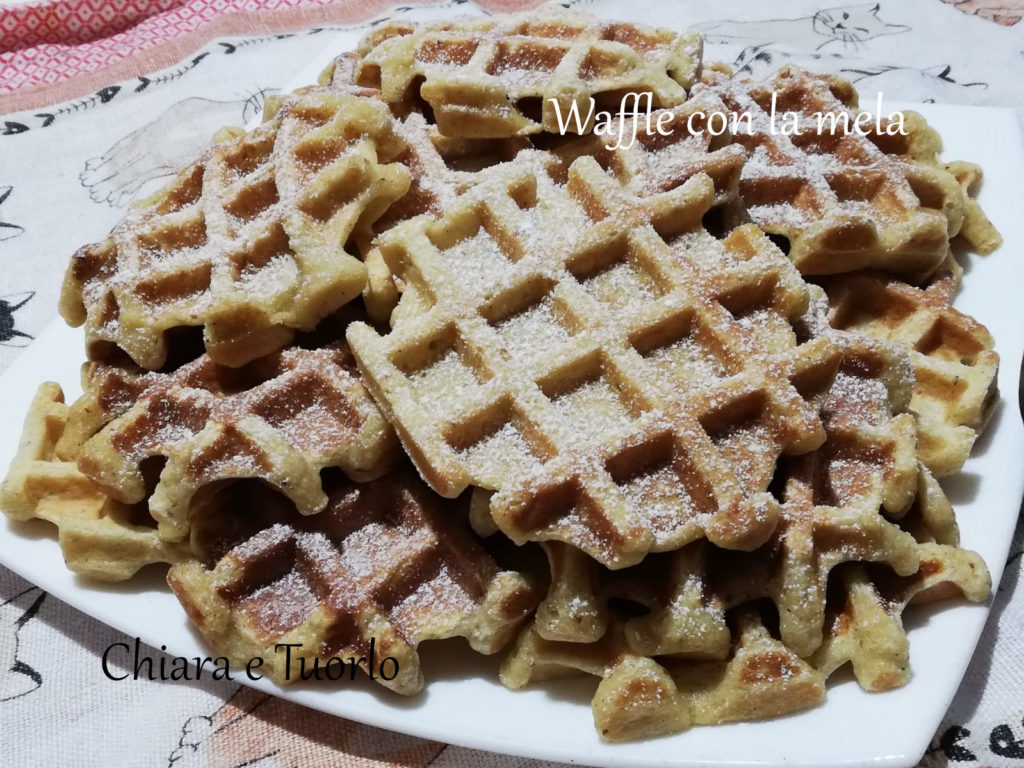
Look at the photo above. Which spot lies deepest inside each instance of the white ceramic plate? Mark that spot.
(464, 703)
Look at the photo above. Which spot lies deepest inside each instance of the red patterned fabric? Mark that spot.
(46, 42)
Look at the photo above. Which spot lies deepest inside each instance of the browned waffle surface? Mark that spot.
(953, 356)
(842, 201)
(625, 387)
(639, 697)
(838, 502)
(864, 530)
(685, 143)
(101, 538)
(712, 666)
(864, 626)
(441, 168)
(977, 232)
(281, 419)
(386, 561)
(495, 76)
(248, 241)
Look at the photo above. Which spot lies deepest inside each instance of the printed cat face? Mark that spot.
(854, 23)
(16, 677)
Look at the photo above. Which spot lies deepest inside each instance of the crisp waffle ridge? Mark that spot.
(441, 169)
(864, 624)
(385, 561)
(953, 356)
(639, 697)
(842, 202)
(247, 241)
(838, 503)
(100, 537)
(494, 77)
(282, 419)
(617, 431)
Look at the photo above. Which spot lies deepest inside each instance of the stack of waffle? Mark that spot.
(345, 360)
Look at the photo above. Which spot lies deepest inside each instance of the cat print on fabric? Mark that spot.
(16, 677)
(8, 230)
(162, 146)
(9, 335)
(927, 84)
(255, 730)
(848, 26)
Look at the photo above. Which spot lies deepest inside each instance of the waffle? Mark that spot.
(494, 77)
(865, 626)
(684, 616)
(640, 698)
(683, 146)
(952, 354)
(282, 419)
(386, 562)
(977, 232)
(837, 501)
(711, 670)
(618, 432)
(637, 697)
(835, 504)
(575, 608)
(841, 202)
(441, 169)
(833, 500)
(101, 538)
(246, 242)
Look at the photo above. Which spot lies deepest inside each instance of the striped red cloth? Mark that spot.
(43, 43)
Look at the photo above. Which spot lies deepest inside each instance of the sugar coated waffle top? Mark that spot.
(495, 76)
(248, 241)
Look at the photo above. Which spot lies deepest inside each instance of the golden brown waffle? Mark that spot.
(282, 419)
(575, 608)
(686, 616)
(683, 146)
(865, 625)
(977, 231)
(386, 561)
(626, 387)
(954, 362)
(837, 501)
(246, 242)
(705, 673)
(493, 77)
(842, 202)
(637, 697)
(834, 506)
(441, 168)
(640, 698)
(831, 511)
(762, 678)
(100, 537)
